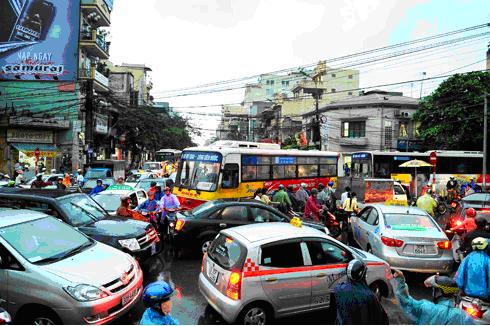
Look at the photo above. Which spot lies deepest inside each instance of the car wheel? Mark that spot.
(42, 317)
(376, 288)
(206, 243)
(254, 314)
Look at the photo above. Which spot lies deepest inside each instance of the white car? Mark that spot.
(110, 199)
(256, 272)
(46, 178)
(133, 179)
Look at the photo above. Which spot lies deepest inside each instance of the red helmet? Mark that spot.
(471, 212)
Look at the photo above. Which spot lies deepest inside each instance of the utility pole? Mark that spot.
(485, 128)
(422, 83)
(89, 119)
(317, 113)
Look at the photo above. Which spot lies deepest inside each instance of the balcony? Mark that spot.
(101, 82)
(97, 8)
(95, 44)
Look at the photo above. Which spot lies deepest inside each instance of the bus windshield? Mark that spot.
(199, 171)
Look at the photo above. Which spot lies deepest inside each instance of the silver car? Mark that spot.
(52, 274)
(256, 272)
(406, 237)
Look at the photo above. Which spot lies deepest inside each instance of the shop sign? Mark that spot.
(39, 122)
(101, 124)
(29, 136)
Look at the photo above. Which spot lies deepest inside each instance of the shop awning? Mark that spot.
(46, 150)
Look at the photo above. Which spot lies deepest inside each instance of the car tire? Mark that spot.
(205, 243)
(376, 289)
(255, 314)
(41, 316)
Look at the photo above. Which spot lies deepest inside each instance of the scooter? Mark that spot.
(330, 221)
(477, 308)
(456, 239)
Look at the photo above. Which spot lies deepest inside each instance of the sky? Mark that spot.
(193, 42)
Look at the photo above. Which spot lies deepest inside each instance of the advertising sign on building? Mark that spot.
(29, 136)
(39, 122)
(39, 39)
(101, 124)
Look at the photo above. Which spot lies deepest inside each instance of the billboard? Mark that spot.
(39, 39)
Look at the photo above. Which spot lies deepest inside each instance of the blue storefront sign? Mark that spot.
(202, 157)
(39, 39)
(401, 158)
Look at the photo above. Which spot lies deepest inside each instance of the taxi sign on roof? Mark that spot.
(394, 202)
(120, 187)
(296, 222)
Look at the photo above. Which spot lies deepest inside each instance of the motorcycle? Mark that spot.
(441, 208)
(330, 221)
(477, 308)
(454, 204)
(456, 238)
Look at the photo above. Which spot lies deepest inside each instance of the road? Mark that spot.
(191, 308)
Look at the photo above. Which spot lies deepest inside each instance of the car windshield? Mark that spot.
(93, 183)
(133, 178)
(45, 240)
(409, 222)
(81, 210)
(203, 207)
(97, 174)
(109, 202)
(226, 252)
(151, 166)
(146, 183)
(199, 170)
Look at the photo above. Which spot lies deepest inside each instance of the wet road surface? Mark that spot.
(190, 306)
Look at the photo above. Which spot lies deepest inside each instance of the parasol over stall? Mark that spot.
(415, 164)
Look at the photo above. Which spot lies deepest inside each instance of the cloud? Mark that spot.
(222, 13)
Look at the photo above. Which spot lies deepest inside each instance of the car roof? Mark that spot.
(116, 192)
(270, 232)
(50, 193)
(10, 217)
(388, 209)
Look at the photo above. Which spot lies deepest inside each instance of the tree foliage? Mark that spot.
(150, 129)
(451, 117)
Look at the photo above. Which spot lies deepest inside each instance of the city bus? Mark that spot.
(236, 169)
(167, 155)
(463, 165)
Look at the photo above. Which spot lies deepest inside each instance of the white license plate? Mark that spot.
(213, 273)
(129, 296)
(419, 249)
(153, 248)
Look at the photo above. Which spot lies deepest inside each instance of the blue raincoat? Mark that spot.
(97, 189)
(153, 317)
(424, 312)
(473, 276)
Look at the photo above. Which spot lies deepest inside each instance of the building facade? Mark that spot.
(376, 120)
(142, 83)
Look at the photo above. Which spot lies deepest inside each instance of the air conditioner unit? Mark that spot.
(396, 113)
(405, 114)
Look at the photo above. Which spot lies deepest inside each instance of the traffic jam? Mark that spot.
(259, 235)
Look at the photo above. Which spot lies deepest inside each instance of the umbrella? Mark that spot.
(415, 164)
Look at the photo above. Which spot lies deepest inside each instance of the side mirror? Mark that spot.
(1, 262)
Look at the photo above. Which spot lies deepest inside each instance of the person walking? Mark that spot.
(355, 302)
(345, 195)
(350, 204)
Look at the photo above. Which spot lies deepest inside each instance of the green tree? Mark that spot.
(451, 117)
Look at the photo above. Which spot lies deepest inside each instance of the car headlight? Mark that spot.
(131, 244)
(85, 292)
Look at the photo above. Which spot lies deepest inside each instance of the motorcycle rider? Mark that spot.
(320, 198)
(473, 275)
(20, 179)
(423, 312)
(344, 196)
(451, 187)
(469, 223)
(169, 205)
(125, 210)
(355, 302)
(480, 231)
(302, 195)
(157, 298)
(39, 182)
(98, 188)
(427, 203)
(282, 198)
(312, 209)
(59, 184)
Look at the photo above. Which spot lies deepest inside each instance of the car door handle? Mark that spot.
(222, 225)
(272, 279)
(321, 275)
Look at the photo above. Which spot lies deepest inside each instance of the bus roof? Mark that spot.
(169, 150)
(259, 151)
(425, 154)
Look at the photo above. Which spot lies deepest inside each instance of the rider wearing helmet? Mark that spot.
(157, 299)
(480, 231)
(354, 300)
(98, 188)
(469, 223)
(424, 312)
(427, 203)
(473, 276)
(282, 198)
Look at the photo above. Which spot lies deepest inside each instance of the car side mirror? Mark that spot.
(1, 262)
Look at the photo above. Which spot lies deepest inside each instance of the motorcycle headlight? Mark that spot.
(85, 292)
(131, 244)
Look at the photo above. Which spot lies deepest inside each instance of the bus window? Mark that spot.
(263, 172)
(382, 170)
(230, 176)
(328, 170)
(305, 171)
(249, 173)
(284, 171)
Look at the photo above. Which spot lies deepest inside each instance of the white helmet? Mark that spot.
(53, 171)
(303, 185)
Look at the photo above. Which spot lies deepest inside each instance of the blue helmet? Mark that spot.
(281, 187)
(330, 183)
(156, 293)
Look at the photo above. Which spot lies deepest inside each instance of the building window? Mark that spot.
(349, 93)
(353, 129)
(333, 90)
(388, 134)
(350, 76)
(334, 75)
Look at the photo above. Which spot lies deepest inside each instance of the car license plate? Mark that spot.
(128, 297)
(153, 248)
(419, 249)
(213, 274)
